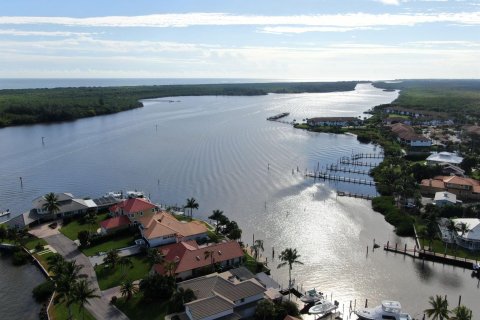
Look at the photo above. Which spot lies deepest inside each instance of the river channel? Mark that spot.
(223, 152)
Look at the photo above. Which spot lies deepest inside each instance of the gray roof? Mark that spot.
(202, 287)
(207, 307)
(242, 273)
(234, 292)
(39, 201)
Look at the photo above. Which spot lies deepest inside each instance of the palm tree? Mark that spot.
(125, 262)
(51, 203)
(128, 289)
(289, 256)
(191, 204)
(439, 308)
(463, 228)
(180, 297)
(170, 267)
(257, 246)
(461, 313)
(210, 254)
(217, 215)
(65, 283)
(155, 256)
(82, 293)
(112, 258)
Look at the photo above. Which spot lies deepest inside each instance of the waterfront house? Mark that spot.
(163, 228)
(470, 239)
(223, 295)
(133, 208)
(333, 121)
(450, 169)
(407, 135)
(444, 157)
(463, 188)
(444, 198)
(190, 258)
(68, 205)
(114, 224)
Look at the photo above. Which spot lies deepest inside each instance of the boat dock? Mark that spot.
(354, 195)
(346, 160)
(336, 168)
(326, 176)
(431, 256)
(358, 156)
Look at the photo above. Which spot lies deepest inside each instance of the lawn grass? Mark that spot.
(109, 278)
(59, 311)
(438, 246)
(32, 242)
(136, 309)
(72, 229)
(121, 241)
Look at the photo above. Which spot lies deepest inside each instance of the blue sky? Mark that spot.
(272, 39)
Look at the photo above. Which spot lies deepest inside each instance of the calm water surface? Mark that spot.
(218, 149)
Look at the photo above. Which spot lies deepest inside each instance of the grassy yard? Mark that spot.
(121, 241)
(71, 229)
(59, 311)
(108, 278)
(136, 309)
(439, 247)
(32, 242)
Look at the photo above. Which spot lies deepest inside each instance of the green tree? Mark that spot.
(461, 313)
(128, 288)
(439, 308)
(3, 232)
(170, 267)
(235, 234)
(84, 238)
(180, 297)
(463, 228)
(51, 203)
(155, 256)
(289, 257)
(124, 263)
(156, 286)
(191, 204)
(82, 293)
(210, 254)
(65, 283)
(216, 216)
(257, 247)
(265, 310)
(112, 258)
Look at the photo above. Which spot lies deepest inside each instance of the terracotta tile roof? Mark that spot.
(190, 256)
(433, 183)
(461, 181)
(115, 222)
(163, 224)
(133, 205)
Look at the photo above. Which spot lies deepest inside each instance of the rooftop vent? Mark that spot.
(198, 258)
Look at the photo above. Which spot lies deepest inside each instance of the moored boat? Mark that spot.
(311, 296)
(322, 308)
(387, 310)
(5, 213)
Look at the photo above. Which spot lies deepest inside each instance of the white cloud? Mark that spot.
(389, 2)
(14, 32)
(296, 30)
(348, 20)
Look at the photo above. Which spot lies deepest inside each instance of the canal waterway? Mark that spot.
(223, 152)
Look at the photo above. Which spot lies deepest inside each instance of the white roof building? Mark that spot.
(471, 238)
(444, 157)
(443, 198)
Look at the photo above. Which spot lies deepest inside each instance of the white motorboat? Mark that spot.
(322, 308)
(5, 213)
(387, 310)
(311, 296)
(117, 195)
(136, 194)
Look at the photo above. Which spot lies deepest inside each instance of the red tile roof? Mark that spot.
(133, 205)
(115, 222)
(190, 256)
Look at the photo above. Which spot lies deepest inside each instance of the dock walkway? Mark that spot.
(326, 176)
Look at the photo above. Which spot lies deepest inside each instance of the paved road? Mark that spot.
(100, 308)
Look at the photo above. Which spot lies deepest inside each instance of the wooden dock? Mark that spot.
(358, 156)
(354, 195)
(336, 168)
(357, 163)
(326, 176)
(431, 256)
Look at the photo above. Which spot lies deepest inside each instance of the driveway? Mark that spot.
(100, 308)
(43, 230)
(123, 252)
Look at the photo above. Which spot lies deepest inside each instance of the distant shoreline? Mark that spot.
(33, 106)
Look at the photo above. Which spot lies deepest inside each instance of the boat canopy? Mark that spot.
(391, 306)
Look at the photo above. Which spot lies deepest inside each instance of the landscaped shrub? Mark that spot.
(38, 247)
(402, 222)
(43, 291)
(20, 257)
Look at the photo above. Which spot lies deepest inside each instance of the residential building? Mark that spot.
(163, 228)
(452, 170)
(191, 259)
(444, 198)
(407, 135)
(133, 208)
(463, 188)
(115, 224)
(223, 295)
(444, 157)
(68, 205)
(471, 238)
(333, 121)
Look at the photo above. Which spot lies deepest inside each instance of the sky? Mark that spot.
(321, 40)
